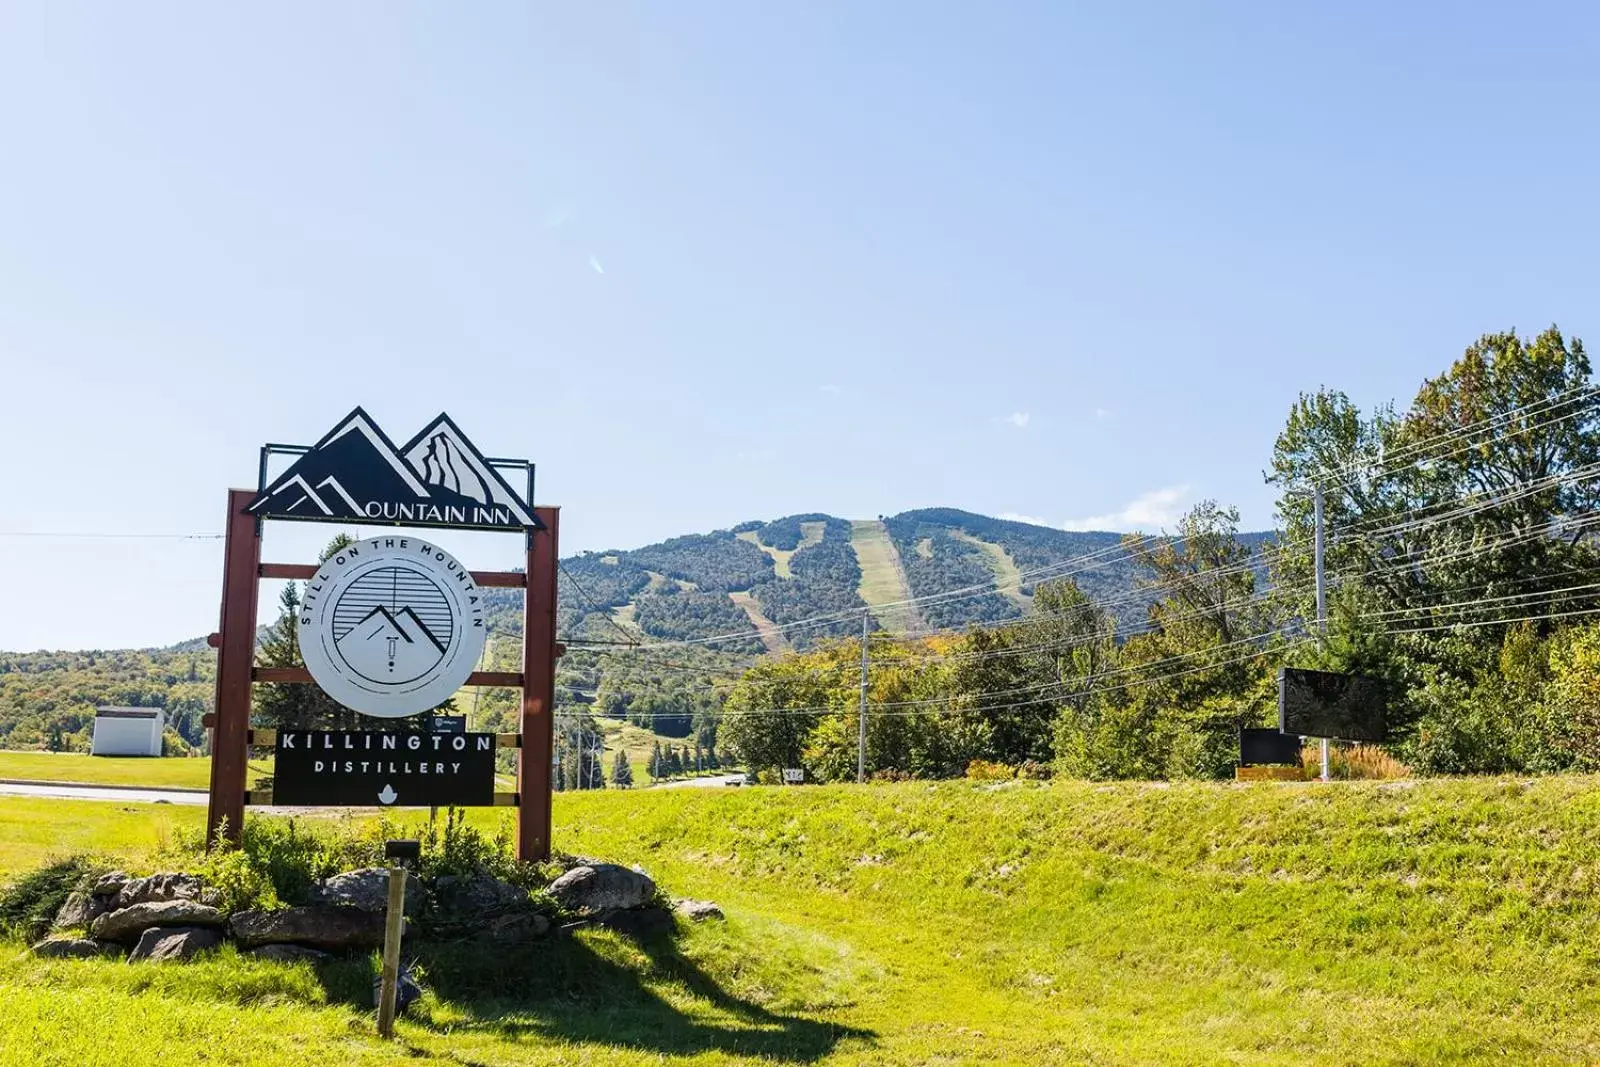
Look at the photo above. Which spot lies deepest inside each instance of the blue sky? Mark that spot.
(712, 262)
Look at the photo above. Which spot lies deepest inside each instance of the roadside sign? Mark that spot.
(380, 768)
(793, 775)
(448, 724)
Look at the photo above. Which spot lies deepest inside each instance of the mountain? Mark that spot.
(934, 568)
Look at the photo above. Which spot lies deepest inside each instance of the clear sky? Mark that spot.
(713, 262)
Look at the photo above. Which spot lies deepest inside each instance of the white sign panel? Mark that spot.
(392, 626)
(793, 775)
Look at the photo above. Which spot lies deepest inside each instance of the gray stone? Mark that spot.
(481, 894)
(333, 929)
(602, 887)
(126, 924)
(171, 885)
(70, 948)
(516, 928)
(81, 909)
(288, 953)
(367, 889)
(698, 911)
(175, 943)
(109, 884)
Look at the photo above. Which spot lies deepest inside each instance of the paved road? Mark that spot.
(704, 783)
(91, 792)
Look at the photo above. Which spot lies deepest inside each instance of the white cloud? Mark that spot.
(1019, 419)
(1157, 509)
(1148, 511)
(1012, 516)
(1102, 413)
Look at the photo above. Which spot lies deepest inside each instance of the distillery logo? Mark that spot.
(356, 473)
(391, 626)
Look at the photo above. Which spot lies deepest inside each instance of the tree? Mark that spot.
(657, 765)
(621, 771)
(674, 763)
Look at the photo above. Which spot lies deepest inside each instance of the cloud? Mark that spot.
(1102, 413)
(1147, 511)
(1019, 419)
(595, 263)
(1157, 509)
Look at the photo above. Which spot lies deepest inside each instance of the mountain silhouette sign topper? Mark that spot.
(357, 474)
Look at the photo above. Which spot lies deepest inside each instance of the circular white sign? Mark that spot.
(391, 626)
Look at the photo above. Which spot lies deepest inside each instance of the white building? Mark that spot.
(127, 731)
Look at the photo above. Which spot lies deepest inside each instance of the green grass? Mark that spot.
(883, 581)
(1008, 580)
(811, 533)
(154, 772)
(1360, 923)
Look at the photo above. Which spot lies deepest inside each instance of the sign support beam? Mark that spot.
(538, 688)
(236, 651)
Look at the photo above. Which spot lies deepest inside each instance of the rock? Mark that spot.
(175, 943)
(109, 884)
(126, 924)
(478, 895)
(517, 928)
(698, 911)
(332, 929)
(70, 948)
(367, 889)
(641, 924)
(81, 909)
(169, 886)
(406, 993)
(288, 953)
(602, 887)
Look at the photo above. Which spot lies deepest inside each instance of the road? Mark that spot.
(100, 792)
(704, 783)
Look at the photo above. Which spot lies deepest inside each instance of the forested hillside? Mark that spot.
(798, 578)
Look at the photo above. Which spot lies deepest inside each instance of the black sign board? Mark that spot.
(1347, 707)
(356, 474)
(380, 768)
(1266, 748)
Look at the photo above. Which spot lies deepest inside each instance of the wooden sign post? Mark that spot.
(236, 672)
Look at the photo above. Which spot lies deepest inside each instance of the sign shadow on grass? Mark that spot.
(568, 989)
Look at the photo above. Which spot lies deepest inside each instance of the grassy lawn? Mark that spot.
(1361, 923)
(883, 582)
(156, 773)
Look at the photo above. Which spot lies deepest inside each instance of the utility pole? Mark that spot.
(1322, 590)
(861, 743)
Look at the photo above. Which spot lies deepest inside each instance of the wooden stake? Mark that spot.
(393, 931)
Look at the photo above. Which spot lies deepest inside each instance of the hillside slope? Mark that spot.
(1415, 922)
(1444, 921)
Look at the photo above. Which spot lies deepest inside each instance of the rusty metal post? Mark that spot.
(538, 689)
(236, 649)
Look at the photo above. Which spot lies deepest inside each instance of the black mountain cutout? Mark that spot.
(356, 474)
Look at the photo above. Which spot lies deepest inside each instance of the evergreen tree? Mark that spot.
(674, 762)
(658, 767)
(621, 771)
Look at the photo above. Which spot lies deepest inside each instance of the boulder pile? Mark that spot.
(175, 916)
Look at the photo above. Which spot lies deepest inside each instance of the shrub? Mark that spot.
(1353, 762)
(984, 771)
(28, 906)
